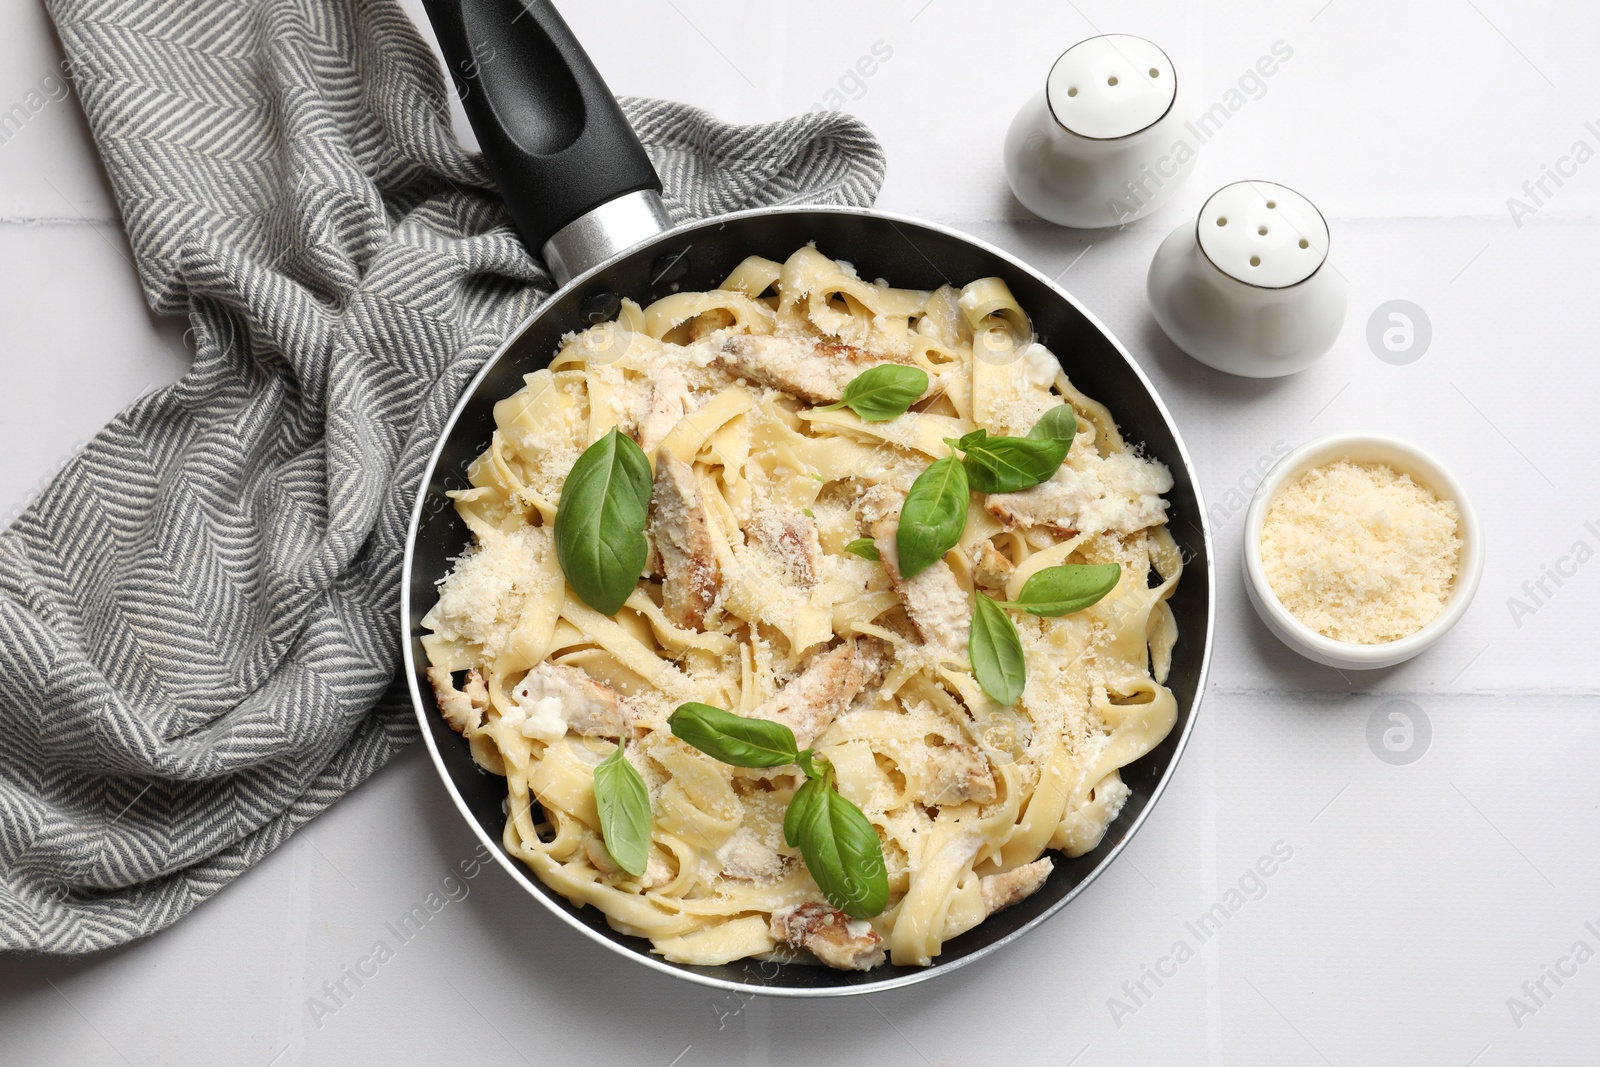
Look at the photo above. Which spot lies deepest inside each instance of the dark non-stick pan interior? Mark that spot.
(910, 255)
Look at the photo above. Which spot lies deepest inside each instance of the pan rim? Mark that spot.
(525, 878)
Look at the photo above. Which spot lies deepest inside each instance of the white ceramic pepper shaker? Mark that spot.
(1247, 288)
(1100, 145)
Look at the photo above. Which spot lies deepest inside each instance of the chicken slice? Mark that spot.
(683, 541)
(1120, 493)
(808, 367)
(827, 686)
(878, 502)
(553, 696)
(957, 774)
(462, 710)
(830, 935)
(790, 538)
(990, 567)
(670, 401)
(934, 600)
(1000, 891)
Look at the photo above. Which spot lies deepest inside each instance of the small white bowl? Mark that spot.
(1404, 458)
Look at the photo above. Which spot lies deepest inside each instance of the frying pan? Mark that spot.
(582, 191)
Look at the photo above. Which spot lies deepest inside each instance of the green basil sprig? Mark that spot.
(933, 516)
(1011, 464)
(600, 521)
(1008, 464)
(795, 815)
(624, 803)
(880, 393)
(995, 649)
(1057, 424)
(837, 841)
(993, 644)
(1065, 589)
(935, 511)
(864, 547)
(840, 847)
(734, 739)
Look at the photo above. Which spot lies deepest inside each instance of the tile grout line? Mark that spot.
(1340, 694)
(40, 222)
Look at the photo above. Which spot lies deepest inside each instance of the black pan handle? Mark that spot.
(552, 134)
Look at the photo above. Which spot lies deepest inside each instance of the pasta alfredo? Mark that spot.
(750, 602)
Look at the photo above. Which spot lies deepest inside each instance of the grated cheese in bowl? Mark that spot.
(1360, 553)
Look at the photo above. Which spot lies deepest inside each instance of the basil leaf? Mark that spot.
(1065, 589)
(732, 738)
(933, 517)
(842, 851)
(799, 805)
(882, 392)
(1057, 424)
(995, 650)
(624, 803)
(1007, 464)
(969, 439)
(863, 547)
(600, 521)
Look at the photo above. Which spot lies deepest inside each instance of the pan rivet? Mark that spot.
(599, 306)
(669, 267)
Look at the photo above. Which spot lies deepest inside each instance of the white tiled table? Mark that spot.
(1417, 899)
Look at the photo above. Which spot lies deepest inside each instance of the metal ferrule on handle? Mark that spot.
(571, 170)
(597, 236)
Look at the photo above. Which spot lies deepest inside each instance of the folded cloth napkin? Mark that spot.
(199, 628)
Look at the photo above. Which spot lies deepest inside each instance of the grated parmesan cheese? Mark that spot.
(539, 718)
(1039, 365)
(481, 599)
(1360, 553)
(1091, 494)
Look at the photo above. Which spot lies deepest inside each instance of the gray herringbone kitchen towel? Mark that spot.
(198, 620)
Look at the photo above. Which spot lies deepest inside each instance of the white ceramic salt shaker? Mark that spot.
(1100, 144)
(1247, 288)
